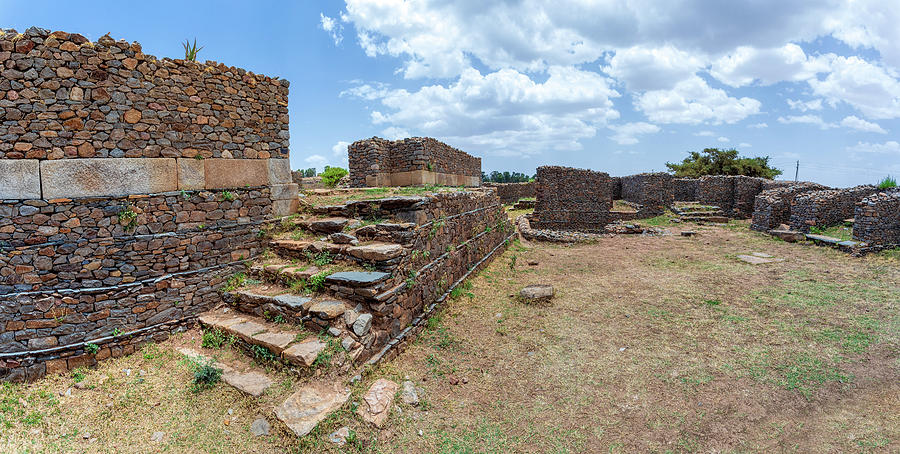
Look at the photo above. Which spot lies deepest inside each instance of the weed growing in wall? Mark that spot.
(127, 217)
(213, 339)
(228, 196)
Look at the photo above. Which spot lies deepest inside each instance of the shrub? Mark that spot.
(331, 175)
(887, 183)
(213, 339)
(205, 376)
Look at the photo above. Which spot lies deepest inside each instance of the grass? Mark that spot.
(840, 232)
(664, 337)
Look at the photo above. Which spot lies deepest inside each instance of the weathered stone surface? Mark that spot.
(92, 177)
(357, 278)
(279, 171)
(342, 238)
(305, 352)
(246, 330)
(534, 293)
(20, 179)
(274, 341)
(309, 406)
(284, 191)
(409, 395)
(755, 260)
(252, 383)
(376, 252)
(260, 427)
(328, 225)
(285, 207)
(362, 324)
(328, 309)
(191, 174)
(790, 236)
(376, 404)
(235, 173)
(295, 302)
(339, 437)
(220, 321)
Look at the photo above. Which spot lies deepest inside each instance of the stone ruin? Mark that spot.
(415, 161)
(579, 200)
(510, 193)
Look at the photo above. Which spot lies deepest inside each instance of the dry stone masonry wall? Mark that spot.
(654, 191)
(131, 186)
(772, 207)
(512, 192)
(410, 162)
(685, 189)
(877, 219)
(572, 199)
(826, 208)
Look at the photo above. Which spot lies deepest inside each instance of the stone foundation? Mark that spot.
(877, 219)
(826, 208)
(511, 192)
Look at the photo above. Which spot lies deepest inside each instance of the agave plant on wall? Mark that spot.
(191, 50)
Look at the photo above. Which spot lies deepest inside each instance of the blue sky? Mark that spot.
(620, 86)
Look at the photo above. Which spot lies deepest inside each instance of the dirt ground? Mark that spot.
(651, 344)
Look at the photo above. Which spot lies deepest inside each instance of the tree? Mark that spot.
(505, 177)
(310, 172)
(331, 175)
(713, 161)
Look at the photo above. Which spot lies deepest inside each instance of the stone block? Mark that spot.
(279, 171)
(284, 191)
(98, 177)
(235, 173)
(20, 179)
(191, 174)
(285, 207)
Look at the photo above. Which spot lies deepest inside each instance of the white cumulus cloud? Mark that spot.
(859, 124)
(626, 134)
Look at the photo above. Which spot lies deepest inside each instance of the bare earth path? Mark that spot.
(652, 344)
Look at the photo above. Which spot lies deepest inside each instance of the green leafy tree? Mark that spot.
(713, 161)
(331, 175)
(310, 172)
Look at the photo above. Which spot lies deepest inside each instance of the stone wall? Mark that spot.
(685, 189)
(572, 199)
(512, 192)
(410, 162)
(654, 191)
(772, 207)
(735, 195)
(130, 187)
(826, 208)
(877, 219)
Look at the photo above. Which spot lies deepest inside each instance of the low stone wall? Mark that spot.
(686, 189)
(410, 162)
(735, 195)
(654, 191)
(512, 192)
(572, 199)
(745, 191)
(772, 207)
(717, 190)
(826, 208)
(877, 219)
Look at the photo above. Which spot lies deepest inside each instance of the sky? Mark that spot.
(620, 86)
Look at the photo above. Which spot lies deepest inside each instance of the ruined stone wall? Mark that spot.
(877, 219)
(745, 191)
(773, 207)
(826, 208)
(735, 195)
(512, 192)
(685, 189)
(130, 187)
(410, 162)
(654, 191)
(717, 190)
(572, 199)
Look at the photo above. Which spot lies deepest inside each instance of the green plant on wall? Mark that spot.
(127, 217)
(887, 183)
(332, 175)
(191, 50)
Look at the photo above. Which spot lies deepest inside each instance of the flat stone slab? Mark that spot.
(823, 239)
(376, 404)
(292, 245)
(328, 225)
(328, 309)
(754, 260)
(293, 301)
(252, 383)
(20, 179)
(377, 252)
(97, 177)
(305, 352)
(357, 278)
(221, 321)
(276, 342)
(247, 329)
(304, 409)
(848, 243)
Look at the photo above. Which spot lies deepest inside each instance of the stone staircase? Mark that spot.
(335, 281)
(701, 214)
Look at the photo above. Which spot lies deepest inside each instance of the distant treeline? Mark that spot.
(505, 177)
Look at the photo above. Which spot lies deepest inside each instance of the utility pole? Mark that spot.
(797, 172)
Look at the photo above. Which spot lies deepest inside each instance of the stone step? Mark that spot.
(310, 405)
(292, 346)
(251, 382)
(283, 273)
(381, 255)
(713, 219)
